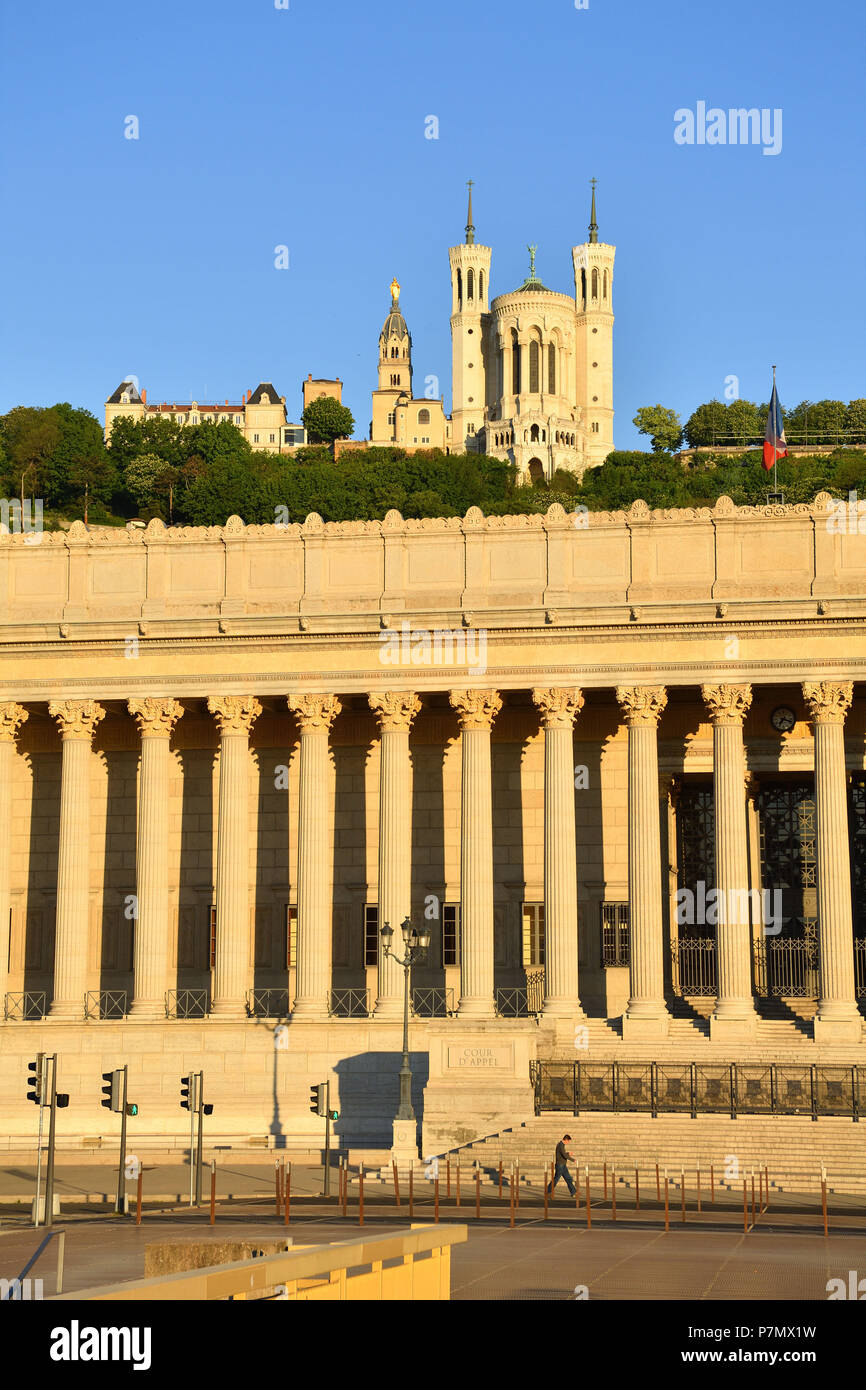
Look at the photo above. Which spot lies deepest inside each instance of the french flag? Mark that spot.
(775, 444)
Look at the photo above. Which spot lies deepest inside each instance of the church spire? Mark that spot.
(593, 225)
(470, 229)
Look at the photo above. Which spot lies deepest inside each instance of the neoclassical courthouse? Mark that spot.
(229, 755)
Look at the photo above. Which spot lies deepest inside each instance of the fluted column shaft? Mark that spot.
(11, 717)
(558, 709)
(235, 716)
(828, 703)
(156, 719)
(646, 1012)
(728, 706)
(315, 715)
(476, 709)
(77, 720)
(395, 711)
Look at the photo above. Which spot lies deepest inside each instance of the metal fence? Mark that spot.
(349, 1003)
(723, 1088)
(787, 968)
(268, 1003)
(186, 1003)
(436, 1002)
(860, 968)
(696, 962)
(521, 1001)
(105, 1003)
(29, 1006)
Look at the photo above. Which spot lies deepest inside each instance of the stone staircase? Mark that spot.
(792, 1147)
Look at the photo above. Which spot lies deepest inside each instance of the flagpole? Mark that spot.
(775, 453)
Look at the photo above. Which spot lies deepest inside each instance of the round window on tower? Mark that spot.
(595, 398)
(470, 399)
(469, 330)
(470, 364)
(595, 364)
(595, 330)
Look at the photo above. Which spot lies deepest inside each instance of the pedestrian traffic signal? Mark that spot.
(112, 1090)
(317, 1099)
(132, 1108)
(334, 1114)
(35, 1082)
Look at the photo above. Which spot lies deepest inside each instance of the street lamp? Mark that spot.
(415, 941)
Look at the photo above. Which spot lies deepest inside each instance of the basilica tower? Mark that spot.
(470, 288)
(395, 349)
(593, 292)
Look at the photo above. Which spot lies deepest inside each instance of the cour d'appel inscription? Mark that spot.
(486, 1057)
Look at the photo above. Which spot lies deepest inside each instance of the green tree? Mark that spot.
(855, 422)
(745, 421)
(326, 420)
(662, 425)
(31, 436)
(707, 425)
(149, 478)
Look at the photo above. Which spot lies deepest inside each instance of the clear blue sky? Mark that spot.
(306, 127)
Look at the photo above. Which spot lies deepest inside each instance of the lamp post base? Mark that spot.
(404, 1147)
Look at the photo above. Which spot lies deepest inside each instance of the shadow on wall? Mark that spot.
(368, 1094)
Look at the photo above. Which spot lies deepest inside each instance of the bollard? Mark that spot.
(448, 1179)
(138, 1199)
(458, 1182)
(712, 1187)
(500, 1179)
(360, 1194)
(613, 1193)
(411, 1190)
(477, 1193)
(436, 1198)
(511, 1197)
(287, 1190)
(824, 1198)
(745, 1209)
(766, 1189)
(683, 1191)
(213, 1191)
(277, 1185)
(576, 1185)
(396, 1183)
(517, 1186)
(753, 1196)
(636, 1190)
(345, 1188)
(588, 1200)
(658, 1193)
(605, 1181)
(667, 1208)
(699, 1189)
(544, 1182)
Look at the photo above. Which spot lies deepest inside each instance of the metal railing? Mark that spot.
(349, 1003)
(787, 968)
(186, 1003)
(723, 1088)
(695, 958)
(105, 1003)
(860, 967)
(268, 1003)
(21, 1008)
(436, 1002)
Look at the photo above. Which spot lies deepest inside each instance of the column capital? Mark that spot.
(642, 704)
(12, 716)
(76, 718)
(234, 714)
(314, 712)
(558, 707)
(394, 709)
(828, 701)
(155, 716)
(727, 704)
(476, 709)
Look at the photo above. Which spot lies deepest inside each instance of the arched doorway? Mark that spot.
(536, 470)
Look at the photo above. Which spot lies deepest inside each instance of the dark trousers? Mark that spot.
(562, 1172)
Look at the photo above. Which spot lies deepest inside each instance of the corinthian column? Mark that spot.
(646, 1015)
(476, 710)
(156, 719)
(558, 710)
(838, 1018)
(12, 716)
(394, 710)
(315, 715)
(235, 716)
(734, 1015)
(77, 720)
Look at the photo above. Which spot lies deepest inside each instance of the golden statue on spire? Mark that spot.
(395, 289)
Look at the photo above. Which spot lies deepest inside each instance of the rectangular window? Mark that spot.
(451, 934)
(291, 937)
(614, 934)
(371, 934)
(533, 934)
(255, 439)
(273, 437)
(212, 938)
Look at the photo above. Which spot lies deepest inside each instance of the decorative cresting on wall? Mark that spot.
(155, 716)
(76, 719)
(727, 704)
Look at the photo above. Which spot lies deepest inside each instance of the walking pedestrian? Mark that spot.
(563, 1158)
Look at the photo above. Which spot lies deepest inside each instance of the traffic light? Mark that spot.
(334, 1114)
(317, 1099)
(187, 1088)
(62, 1100)
(113, 1089)
(207, 1109)
(132, 1108)
(35, 1082)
